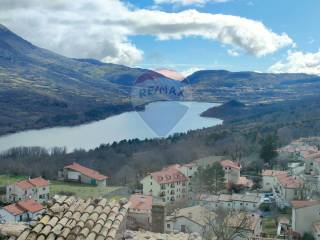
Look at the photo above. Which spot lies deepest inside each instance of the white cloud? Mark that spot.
(188, 2)
(233, 52)
(298, 62)
(101, 29)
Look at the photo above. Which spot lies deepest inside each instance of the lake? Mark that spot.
(159, 119)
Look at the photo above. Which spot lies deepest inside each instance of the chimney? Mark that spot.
(158, 214)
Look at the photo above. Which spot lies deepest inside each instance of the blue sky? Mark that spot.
(184, 35)
(299, 19)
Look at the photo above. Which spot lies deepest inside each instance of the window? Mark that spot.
(150, 183)
(44, 189)
(183, 228)
(168, 225)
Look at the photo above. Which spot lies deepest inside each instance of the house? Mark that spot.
(236, 202)
(305, 216)
(233, 176)
(169, 184)
(288, 188)
(139, 215)
(21, 211)
(199, 219)
(79, 173)
(268, 179)
(35, 188)
(71, 218)
(188, 220)
(231, 171)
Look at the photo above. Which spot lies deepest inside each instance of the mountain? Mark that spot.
(39, 88)
(170, 74)
(251, 87)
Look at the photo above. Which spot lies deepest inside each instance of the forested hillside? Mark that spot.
(127, 161)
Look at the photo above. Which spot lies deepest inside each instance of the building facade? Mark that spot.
(36, 188)
(78, 173)
(21, 211)
(139, 215)
(288, 188)
(235, 202)
(169, 184)
(305, 214)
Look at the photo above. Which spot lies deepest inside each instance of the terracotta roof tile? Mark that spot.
(90, 219)
(86, 171)
(229, 163)
(304, 203)
(30, 183)
(141, 202)
(272, 173)
(14, 209)
(170, 174)
(29, 205)
(290, 181)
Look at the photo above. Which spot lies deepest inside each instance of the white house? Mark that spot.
(21, 211)
(305, 213)
(188, 220)
(288, 188)
(36, 188)
(139, 215)
(232, 174)
(199, 219)
(236, 202)
(78, 173)
(169, 184)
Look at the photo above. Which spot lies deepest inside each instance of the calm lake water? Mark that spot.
(160, 119)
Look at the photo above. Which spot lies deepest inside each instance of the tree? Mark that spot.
(226, 224)
(269, 149)
(209, 180)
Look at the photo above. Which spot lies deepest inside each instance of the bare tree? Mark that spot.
(226, 224)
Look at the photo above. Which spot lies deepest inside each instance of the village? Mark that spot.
(208, 198)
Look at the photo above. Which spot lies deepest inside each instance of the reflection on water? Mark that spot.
(159, 119)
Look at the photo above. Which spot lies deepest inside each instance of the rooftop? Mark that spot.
(304, 203)
(30, 183)
(141, 202)
(141, 235)
(231, 164)
(234, 197)
(29, 205)
(169, 174)
(196, 214)
(290, 181)
(86, 171)
(272, 173)
(70, 217)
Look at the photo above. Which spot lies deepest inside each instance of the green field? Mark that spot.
(5, 179)
(60, 187)
(269, 225)
(81, 190)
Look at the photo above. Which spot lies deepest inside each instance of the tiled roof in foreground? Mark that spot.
(70, 218)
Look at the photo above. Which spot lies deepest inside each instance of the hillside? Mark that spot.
(252, 87)
(39, 88)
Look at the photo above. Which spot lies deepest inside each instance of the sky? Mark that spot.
(183, 35)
